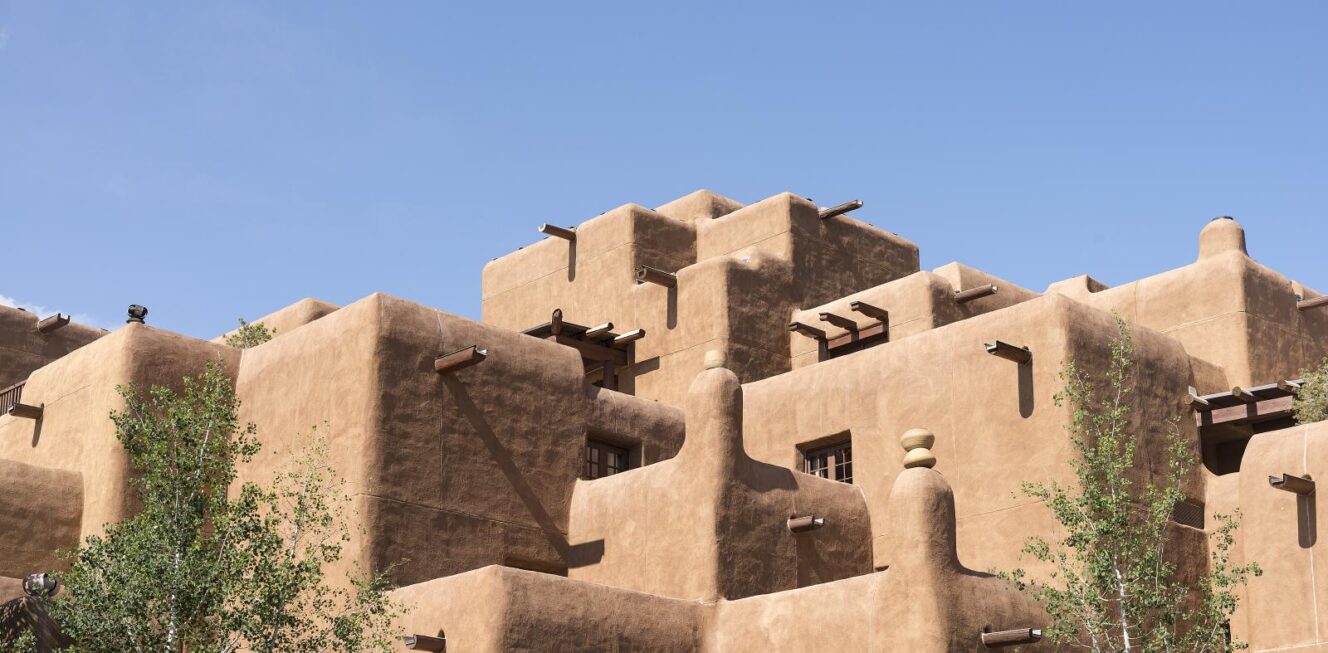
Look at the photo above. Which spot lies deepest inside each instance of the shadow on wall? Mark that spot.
(557, 539)
(1026, 390)
(571, 261)
(1306, 521)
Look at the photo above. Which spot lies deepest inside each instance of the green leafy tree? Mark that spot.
(250, 335)
(205, 567)
(1311, 403)
(1112, 586)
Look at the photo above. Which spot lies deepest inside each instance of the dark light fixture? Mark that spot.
(137, 313)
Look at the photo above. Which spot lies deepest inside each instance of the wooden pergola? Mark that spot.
(603, 351)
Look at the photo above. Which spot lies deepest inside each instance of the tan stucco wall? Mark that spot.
(289, 318)
(1288, 605)
(23, 348)
(78, 392)
(996, 420)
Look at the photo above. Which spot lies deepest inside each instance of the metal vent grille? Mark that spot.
(1188, 514)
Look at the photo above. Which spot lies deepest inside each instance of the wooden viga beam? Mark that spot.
(839, 321)
(852, 205)
(459, 359)
(1011, 637)
(647, 274)
(807, 330)
(1002, 349)
(962, 296)
(598, 331)
(52, 323)
(630, 336)
(1307, 304)
(805, 523)
(566, 234)
(869, 310)
(1293, 484)
(26, 411)
(425, 643)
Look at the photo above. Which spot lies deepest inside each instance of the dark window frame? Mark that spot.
(833, 461)
(603, 459)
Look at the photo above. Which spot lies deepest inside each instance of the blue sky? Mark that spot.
(221, 160)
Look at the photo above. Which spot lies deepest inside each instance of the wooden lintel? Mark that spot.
(839, 321)
(425, 643)
(1002, 349)
(459, 359)
(1260, 411)
(592, 351)
(1294, 484)
(851, 205)
(1011, 637)
(805, 523)
(865, 336)
(1307, 304)
(869, 310)
(566, 234)
(962, 296)
(1243, 395)
(807, 330)
(647, 274)
(26, 411)
(52, 323)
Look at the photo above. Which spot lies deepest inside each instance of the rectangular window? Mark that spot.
(604, 459)
(832, 462)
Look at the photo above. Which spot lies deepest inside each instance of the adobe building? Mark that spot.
(717, 427)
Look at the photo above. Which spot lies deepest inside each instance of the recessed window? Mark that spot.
(604, 459)
(834, 462)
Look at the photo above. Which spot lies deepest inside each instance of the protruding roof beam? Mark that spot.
(1196, 402)
(1243, 395)
(833, 211)
(1289, 387)
(425, 643)
(1020, 355)
(805, 523)
(630, 336)
(806, 330)
(839, 321)
(459, 359)
(1011, 637)
(52, 323)
(647, 274)
(566, 234)
(962, 296)
(869, 310)
(25, 411)
(1307, 304)
(1294, 484)
(597, 332)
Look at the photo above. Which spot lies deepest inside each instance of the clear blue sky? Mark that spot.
(217, 160)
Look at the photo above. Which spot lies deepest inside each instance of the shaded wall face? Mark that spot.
(995, 421)
(453, 472)
(1282, 532)
(78, 393)
(500, 609)
(24, 349)
(41, 511)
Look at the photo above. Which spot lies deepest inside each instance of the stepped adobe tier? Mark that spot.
(718, 427)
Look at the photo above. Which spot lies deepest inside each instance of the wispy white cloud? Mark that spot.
(4, 36)
(41, 311)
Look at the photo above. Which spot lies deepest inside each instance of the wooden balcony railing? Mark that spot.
(10, 397)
